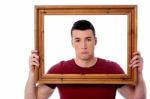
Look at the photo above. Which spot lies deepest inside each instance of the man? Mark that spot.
(84, 41)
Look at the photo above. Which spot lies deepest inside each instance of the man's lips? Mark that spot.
(84, 52)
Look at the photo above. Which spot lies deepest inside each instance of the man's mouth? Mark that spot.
(84, 52)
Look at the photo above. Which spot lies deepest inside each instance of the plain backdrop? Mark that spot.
(111, 43)
(17, 40)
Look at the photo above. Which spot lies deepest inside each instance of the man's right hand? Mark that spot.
(31, 88)
(33, 60)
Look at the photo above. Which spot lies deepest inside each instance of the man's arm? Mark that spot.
(31, 90)
(139, 90)
(44, 91)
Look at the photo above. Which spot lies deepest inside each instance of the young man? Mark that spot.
(84, 41)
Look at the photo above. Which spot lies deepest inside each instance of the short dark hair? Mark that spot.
(83, 25)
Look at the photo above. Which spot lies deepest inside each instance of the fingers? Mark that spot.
(34, 51)
(137, 53)
(33, 60)
(137, 61)
(136, 57)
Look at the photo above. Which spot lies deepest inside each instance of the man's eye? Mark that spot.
(77, 40)
(89, 40)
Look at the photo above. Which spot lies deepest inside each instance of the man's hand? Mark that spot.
(33, 60)
(139, 90)
(137, 62)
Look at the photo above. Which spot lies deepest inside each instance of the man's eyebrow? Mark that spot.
(88, 37)
(76, 38)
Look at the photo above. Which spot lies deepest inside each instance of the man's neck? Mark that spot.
(86, 63)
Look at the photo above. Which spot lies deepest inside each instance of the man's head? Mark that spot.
(83, 25)
(83, 39)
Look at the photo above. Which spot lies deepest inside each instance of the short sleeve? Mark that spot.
(53, 86)
(56, 69)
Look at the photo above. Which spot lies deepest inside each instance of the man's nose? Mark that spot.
(84, 45)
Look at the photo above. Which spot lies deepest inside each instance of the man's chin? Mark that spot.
(85, 58)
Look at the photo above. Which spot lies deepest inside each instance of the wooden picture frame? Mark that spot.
(129, 10)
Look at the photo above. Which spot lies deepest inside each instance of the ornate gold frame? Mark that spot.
(129, 10)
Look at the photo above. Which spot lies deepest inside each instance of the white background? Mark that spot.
(111, 39)
(17, 40)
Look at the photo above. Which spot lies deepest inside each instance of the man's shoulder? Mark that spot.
(63, 62)
(112, 66)
(58, 67)
(107, 61)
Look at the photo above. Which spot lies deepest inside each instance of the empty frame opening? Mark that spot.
(111, 33)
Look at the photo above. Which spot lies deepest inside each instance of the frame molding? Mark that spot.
(129, 10)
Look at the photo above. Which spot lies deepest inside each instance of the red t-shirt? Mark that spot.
(86, 91)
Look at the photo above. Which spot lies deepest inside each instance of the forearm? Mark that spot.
(30, 88)
(140, 89)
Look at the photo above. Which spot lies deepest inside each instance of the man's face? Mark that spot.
(84, 43)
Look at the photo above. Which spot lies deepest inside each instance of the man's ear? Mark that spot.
(95, 40)
(72, 42)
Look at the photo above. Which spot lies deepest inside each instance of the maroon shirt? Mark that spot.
(86, 91)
